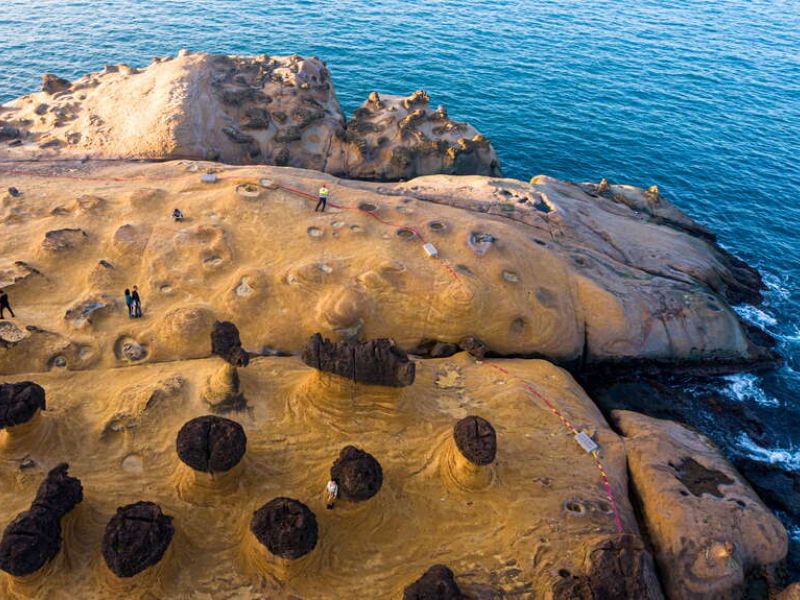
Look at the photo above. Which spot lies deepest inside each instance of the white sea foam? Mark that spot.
(755, 315)
(787, 457)
(744, 387)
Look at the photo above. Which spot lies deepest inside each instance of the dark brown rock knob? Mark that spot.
(225, 342)
(476, 439)
(19, 402)
(211, 444)
(374, 362)
(286, 527)
(357, 473)
(136, 538)
(33, 538)
(437, 583)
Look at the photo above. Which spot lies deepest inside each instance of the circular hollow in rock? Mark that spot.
(437, 226)
(211, 444)
(136, 538)
(286, 527)
(357, 473)
(248, 190)
(476, 439)
(437, 583)
(406, 234)
(314, 232)
(367, 207)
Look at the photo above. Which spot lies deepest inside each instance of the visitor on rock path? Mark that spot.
(331, 493)
(137, 303)
(4, 304)
(129, 302)
(177, 215)
(323, 199)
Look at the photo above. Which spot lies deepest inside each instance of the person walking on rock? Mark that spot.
(4, 304)
(129, 302)
(331, 493)
(323, 199)
(137, 303)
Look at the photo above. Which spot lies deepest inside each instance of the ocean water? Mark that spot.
(701, 98)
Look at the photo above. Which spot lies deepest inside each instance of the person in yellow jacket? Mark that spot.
(323, 199)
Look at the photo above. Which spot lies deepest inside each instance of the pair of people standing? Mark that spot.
(134, 303)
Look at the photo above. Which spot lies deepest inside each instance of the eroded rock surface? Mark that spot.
(375, 362)
(286, 527)
(476, 439)
(275, 110)
(211, 444)
(437, 583)
(19, 402)
(357, 473)
(713, 537)
(33, 538)
(136, 538)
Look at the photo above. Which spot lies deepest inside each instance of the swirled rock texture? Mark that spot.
(712, 535)
(19, 402)
(274, 110)
(287, 527)
(136, 538)
(33, 538)
(374, 362)
(211, 444)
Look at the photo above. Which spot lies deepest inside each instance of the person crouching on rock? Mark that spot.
(137, 303)
(129, 302)
(4, 304)
(177, 215)
(331, 493)
(323, 199)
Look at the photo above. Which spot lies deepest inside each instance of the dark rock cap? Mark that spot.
(211, 444)
(52, 84)
(476, 439)
(136, 538)
(374, 362)
(225, 342)
(33, 538)
(357, 473)
(286, 527)
(437, 583)
(19, 402)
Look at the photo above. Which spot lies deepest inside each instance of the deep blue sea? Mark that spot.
(701, 97)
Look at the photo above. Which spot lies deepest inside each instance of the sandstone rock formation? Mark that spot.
(242, 110)
(136, 538)
(211, 444)
(712, 535)
(357, 473)
(286, 527)
(19, 402)
(222, 389)
(225, 342)
(476, 439)
(375, 362)
(437, 583)
(34, 537)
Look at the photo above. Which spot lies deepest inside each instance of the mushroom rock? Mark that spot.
(19, 402)
(34, 537)
(286, 527)
(222, 391)
(710, 532)
(474, 347)
(225, 342)
(136, 538)
(437, 583)
(476, 440)
(52, 84)
(211, 444)
(617, 567)
(358, 474)
(374, 362)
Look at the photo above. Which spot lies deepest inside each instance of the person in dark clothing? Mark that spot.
(129, 303)
(4, 304)
(137, 303)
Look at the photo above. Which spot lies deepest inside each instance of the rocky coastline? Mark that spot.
(499, 349)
